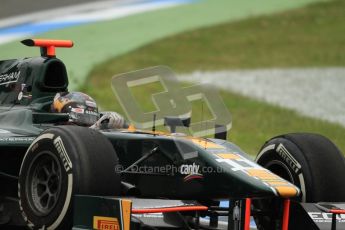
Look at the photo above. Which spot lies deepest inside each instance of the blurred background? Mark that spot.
(279, 65)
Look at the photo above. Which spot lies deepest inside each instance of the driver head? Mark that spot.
(82, 109)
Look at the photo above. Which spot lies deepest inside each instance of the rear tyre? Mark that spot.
(309, 161)
(61, 162)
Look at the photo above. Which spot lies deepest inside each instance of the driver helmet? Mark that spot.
(82, 109)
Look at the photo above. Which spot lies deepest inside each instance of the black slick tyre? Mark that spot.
(310, 161)
(61, 162)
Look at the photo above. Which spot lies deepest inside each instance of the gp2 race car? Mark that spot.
(58, 176)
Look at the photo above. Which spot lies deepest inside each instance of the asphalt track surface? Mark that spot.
(10, 8)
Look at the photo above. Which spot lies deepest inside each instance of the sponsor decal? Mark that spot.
(323, 217)
(62, 153)
(189, 169)
(9, 77)
(77, 110)
(149, 215)
(193, 177)
(16, 139)
(192, 172)
(91, 112)
(288, 158)
(105, 223)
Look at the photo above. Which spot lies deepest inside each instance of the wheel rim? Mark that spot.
(43, 183)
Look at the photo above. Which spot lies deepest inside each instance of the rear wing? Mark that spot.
(48, 45)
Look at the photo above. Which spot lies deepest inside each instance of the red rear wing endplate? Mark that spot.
(48, 45)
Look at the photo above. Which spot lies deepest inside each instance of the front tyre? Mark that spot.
(309, 161)
(61, 162)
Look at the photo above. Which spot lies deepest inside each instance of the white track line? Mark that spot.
(314, 92)
(44, 21)
(58, 12)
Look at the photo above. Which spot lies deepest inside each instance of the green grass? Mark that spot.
(143, 94)
(311, 36)
(255, 122)
(99, 41)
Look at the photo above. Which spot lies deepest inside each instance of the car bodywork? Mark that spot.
(162, 174)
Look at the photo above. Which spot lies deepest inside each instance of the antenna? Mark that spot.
(154, 123)
(202, 117)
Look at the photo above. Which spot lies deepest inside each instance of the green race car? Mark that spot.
(54, 175)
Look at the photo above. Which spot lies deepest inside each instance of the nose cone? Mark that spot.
(241, 176)
(277, 184)
(235, 174)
